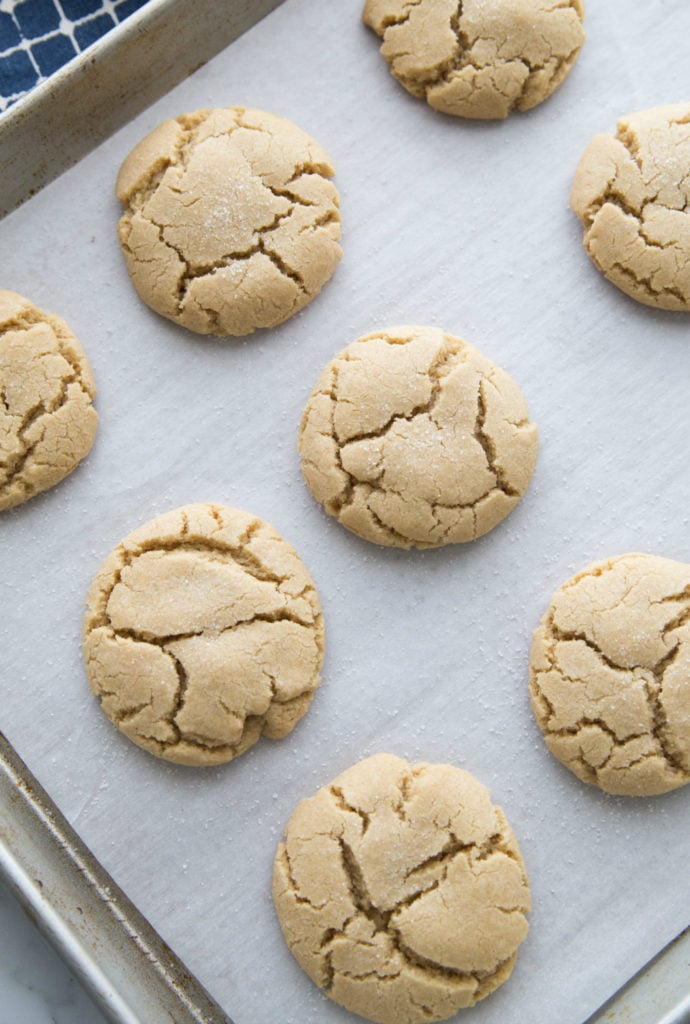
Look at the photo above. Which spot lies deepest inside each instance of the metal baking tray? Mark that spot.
(63, 118)
(112, 949)
(466, 226)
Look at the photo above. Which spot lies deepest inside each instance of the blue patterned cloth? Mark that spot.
(37, 37)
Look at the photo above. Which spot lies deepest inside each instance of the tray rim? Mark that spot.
(85, 102)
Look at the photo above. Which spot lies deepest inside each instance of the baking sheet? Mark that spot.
(461, 225)
(66, 116)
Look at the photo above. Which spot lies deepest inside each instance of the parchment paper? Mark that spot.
(457, 224)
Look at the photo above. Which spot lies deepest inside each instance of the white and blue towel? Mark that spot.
(38, 37)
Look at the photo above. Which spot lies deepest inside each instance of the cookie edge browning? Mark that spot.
(165, 527)
(484, 985)
(385, 537)
(537, 656)
(14, 310)
(147, 161)
(591, 181)
(495, 104)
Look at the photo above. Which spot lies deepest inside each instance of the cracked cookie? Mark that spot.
(412, 438)
(610, 675)
(203, 632)
(47, 419)
(231, 221)
(478, 58)
(401, 891)
(632, 193)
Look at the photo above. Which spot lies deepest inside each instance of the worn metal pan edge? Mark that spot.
(124, 964)
(657, 994)
(68, 115)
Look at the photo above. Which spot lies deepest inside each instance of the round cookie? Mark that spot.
(480, 58)
(411, 438)
(47, 419)
(610, 675)
(203, 632)
(231, 222)
(632, 193)
(401, 891)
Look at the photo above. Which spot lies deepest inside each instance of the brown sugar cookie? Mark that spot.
(401, 891)
(480, 58)
(231, 222)
(412, 438)
(203, 632)
(610, 675)
(47, 419)
(632, 193)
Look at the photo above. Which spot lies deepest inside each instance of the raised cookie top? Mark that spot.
(401, 890)
(203, 631)
(47, 419)
(478, 58)
(632, 193)
(231, 221)
(609, 674)
(412, 438)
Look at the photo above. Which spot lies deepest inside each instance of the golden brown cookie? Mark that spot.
(47, 419)
(610, 675)
(401, 891)
(203, 632)
(411, 438)
(632, 193)
(479, 58)
(231, 221)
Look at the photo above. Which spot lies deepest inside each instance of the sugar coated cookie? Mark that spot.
(401, 891)
(632, 193)
(411, 438)
(203, 632)
(231, 222)
(480, 58)
(610, 675)
(47, 419)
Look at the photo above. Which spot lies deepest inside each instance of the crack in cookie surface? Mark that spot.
(231, 220)
(47, 420)
(203, 632)
(478, 58)
(609, 679)
(401, 891)
(412, 438)
(631, 192)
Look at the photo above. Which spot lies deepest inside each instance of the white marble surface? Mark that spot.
(36, 987)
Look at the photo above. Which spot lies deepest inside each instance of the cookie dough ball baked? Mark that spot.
(401, 891)
(632, 193)
(610, 675)
(231, 221)
(480, 58)
(412, 438)
(47, 419)
(203, 632)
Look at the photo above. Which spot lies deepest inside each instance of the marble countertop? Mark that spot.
(36, 987)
